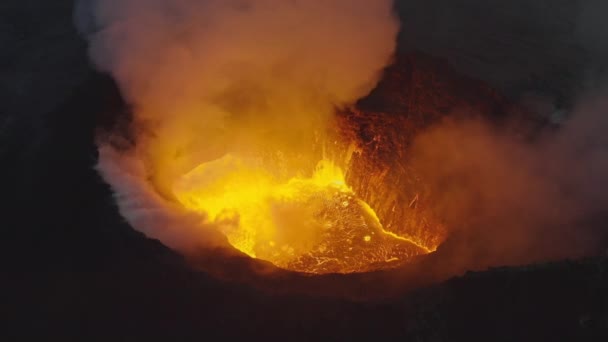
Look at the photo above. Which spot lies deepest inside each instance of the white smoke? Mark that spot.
(206, 77)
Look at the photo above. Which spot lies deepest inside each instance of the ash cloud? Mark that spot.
(207, 77)
(511, 198)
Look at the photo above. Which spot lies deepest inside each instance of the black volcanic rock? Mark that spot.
(517, 46)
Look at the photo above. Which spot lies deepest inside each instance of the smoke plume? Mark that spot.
(209, 77)
(511, 199)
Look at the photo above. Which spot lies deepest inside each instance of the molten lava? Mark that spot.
(314, 223)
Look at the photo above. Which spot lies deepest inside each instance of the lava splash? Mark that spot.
(313, 224)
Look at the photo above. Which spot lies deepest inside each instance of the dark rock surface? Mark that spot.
(73, 269)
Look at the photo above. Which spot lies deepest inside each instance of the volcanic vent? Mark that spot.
(315, 222)
(237, 141)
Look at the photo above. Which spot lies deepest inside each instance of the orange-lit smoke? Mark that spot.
(212, 77)
(511, 199)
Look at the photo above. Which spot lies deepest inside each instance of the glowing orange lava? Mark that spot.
(309, 223)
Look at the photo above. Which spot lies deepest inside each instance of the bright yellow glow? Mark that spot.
(246, 201)
(311, 223)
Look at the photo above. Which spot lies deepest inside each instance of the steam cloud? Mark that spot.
(210, 76)
(508, 200)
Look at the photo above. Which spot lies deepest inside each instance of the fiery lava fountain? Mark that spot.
(234, 105)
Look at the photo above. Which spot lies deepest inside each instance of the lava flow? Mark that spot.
(314, 224)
